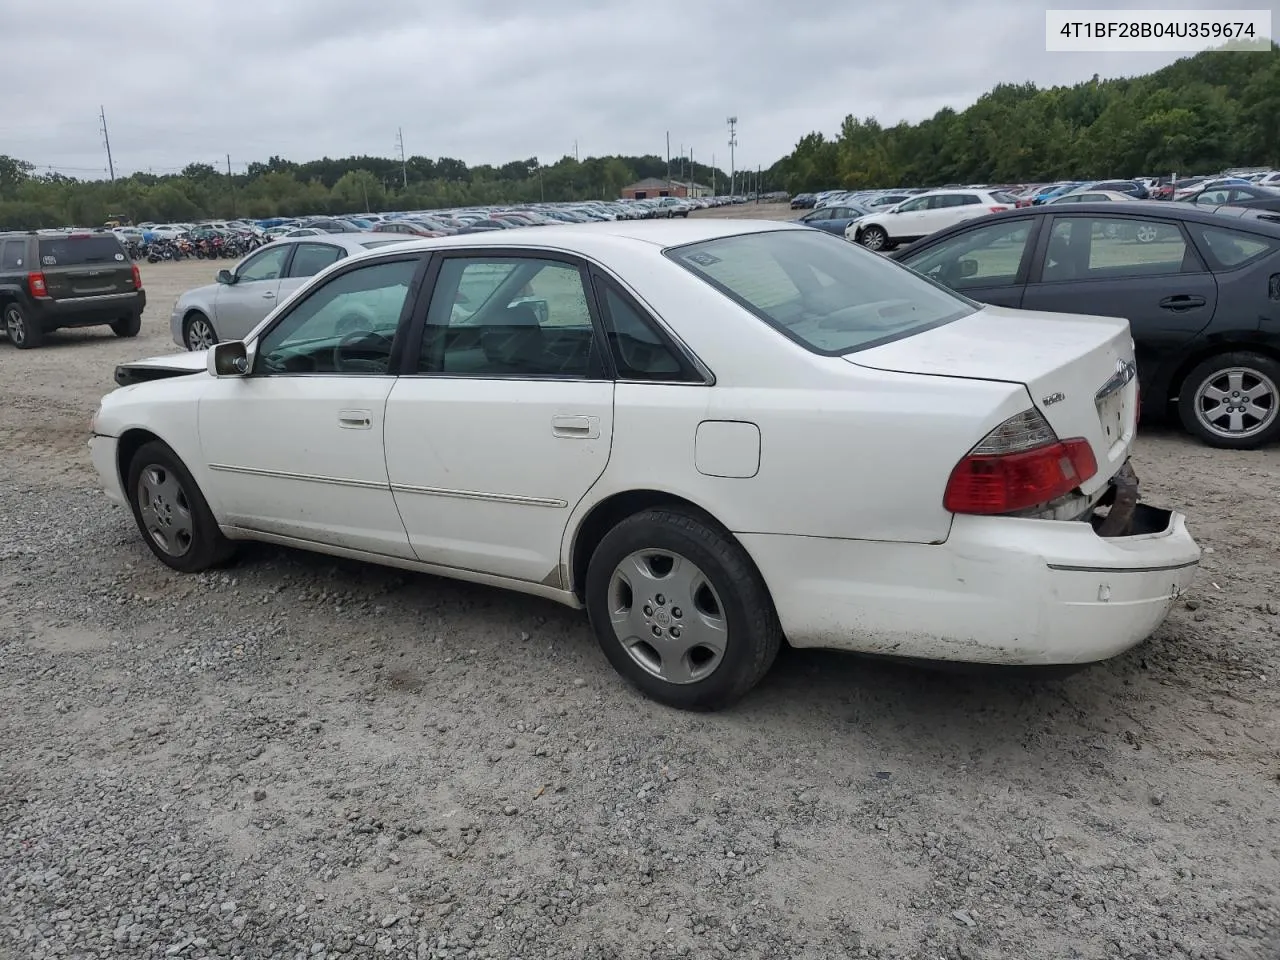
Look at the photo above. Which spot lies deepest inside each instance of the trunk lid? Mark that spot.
(85, 265)
(1079, 371)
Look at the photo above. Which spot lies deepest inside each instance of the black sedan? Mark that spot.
(1237, 195)
(1201, 291)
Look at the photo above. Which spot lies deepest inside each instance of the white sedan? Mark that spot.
(923, 214)
(711, 434)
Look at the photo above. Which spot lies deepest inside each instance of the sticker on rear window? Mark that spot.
(119, 256)
(703, 259)
(50, 261)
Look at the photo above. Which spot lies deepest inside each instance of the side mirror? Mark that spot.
(225, 276)
(228, 359)
(968, 268)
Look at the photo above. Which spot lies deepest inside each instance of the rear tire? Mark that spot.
(23, 332)
(1232, 400)
(128, 326)
(680, 610)
(172, 514)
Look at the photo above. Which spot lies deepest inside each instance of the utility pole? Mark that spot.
(681, 156)
(668, 158)
(757, 184)
(689, 192)
(404, 169)
(713, 174)
(111, 167)
(733, 142)
(232, 183)
(575, 151)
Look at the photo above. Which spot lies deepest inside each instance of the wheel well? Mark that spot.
(608, 513)
(1199, 357)
(130, 442)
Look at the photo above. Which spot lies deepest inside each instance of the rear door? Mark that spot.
(85, 265)
(1142, 269)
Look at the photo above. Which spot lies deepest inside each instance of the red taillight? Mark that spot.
(1020, 464)
(997, 209)
(35, 283)
(137, 278)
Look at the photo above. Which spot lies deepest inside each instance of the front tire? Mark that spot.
(127, 326)
(874, 238)
(198, 332)
(680, 610)
(22, 331)
(1232, 400)
(172, 514)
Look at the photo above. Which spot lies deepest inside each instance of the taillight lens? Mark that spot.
(137, 278)
(1018, 465)
(997, 209)
(36, 284)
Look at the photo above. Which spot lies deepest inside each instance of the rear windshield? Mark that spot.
(69, 251)
(827, 294)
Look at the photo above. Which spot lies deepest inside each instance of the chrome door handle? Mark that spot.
(355, 419)
(576, 428)
(268, 295)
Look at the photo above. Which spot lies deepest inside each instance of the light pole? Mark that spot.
(733, 142)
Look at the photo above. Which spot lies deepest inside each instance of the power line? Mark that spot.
(111, 167)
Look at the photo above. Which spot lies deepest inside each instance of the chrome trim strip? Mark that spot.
(1120, 570)
(309, 477)
(1126, 370)
(478, 495)
(119, 295)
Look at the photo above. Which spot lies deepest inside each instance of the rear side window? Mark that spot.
(1231, 248)
(639, 349)
(72, 251)
(830, 296)
(11, 253)
(310, 258)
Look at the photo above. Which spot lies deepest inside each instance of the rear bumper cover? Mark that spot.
(86, 311)
(1000, 590)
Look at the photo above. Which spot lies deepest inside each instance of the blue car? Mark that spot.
(835, 218)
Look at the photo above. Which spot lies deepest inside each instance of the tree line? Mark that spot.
(31, 200)
(1201, 114)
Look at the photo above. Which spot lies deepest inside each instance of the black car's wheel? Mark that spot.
(874, 238)
(171, 512)
(198, 332)
(1233, 400)
(22, 332)
(127, 326)
(680, 610)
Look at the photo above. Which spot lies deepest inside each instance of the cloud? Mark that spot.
(490, 81)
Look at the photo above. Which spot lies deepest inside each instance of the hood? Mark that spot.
(158, 368)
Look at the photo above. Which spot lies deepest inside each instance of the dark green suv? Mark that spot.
(51, 280)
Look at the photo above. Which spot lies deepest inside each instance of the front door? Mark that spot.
(295, 448)
(1144, 270)
(508, 419)
(242, 305)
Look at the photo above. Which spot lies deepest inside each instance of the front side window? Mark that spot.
(508, 317)
(830, 296)
(914, 206)
(310, 258)
(984, 257)
(346, 325)
(266, 265)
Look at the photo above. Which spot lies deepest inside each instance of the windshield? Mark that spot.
(827, 294)
(77, 250)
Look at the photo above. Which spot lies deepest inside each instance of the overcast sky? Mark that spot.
(488, 81)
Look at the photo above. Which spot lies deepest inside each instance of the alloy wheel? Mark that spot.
(14, 326)
(200, 335)
(667, 616)
(1237, 402)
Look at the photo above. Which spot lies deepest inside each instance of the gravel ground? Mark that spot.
(298, 757)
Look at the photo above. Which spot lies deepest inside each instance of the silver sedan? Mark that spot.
(240, 298)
